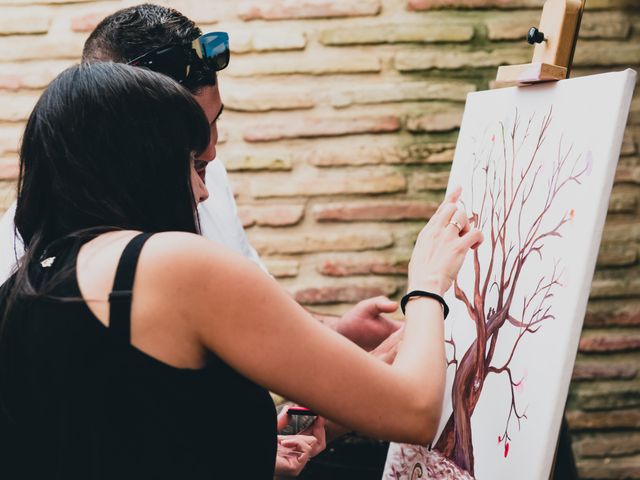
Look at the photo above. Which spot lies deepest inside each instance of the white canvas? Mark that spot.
(553, 149)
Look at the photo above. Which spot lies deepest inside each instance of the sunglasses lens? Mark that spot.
(215, 49)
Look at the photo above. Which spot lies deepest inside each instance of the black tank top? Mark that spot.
(78, 401)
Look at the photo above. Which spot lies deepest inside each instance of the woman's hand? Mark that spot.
(441, 247)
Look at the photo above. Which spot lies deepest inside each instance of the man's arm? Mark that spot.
(365, 324)
(11, 247)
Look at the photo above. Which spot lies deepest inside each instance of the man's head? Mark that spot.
(131, 32)
(134, 31)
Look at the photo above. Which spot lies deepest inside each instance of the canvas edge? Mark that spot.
(585, 287)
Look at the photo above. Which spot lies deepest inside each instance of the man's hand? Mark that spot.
(294, 451)
(365, 324)
(388, 349)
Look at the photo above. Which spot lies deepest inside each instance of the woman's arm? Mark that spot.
(248, 320)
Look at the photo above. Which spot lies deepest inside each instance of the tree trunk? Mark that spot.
(456, 441)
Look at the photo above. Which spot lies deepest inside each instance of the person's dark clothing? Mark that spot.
(78, 401)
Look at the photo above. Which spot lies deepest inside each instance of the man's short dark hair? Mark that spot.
(133, 31)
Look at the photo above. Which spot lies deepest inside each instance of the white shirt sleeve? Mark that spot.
(219, 219)
(11, 246)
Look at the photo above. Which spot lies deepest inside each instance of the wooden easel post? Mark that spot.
(556, 42)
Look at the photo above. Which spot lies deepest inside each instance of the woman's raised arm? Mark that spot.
(248, 320)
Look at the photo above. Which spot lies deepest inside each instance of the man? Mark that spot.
(161, 39)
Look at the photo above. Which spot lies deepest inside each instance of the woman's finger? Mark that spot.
(459, 223)
(473, 239)
(454, 196)
(443, 216)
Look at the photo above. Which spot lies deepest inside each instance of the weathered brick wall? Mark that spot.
(340, 125)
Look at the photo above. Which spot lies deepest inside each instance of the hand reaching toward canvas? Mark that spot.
(366, 325)
(441, 247)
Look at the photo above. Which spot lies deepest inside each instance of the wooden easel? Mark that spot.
(555, 44)
(555, 41)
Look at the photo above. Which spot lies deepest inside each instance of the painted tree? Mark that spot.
(517, 224)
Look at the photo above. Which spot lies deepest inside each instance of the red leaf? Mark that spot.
(499, 438)
(506, 449)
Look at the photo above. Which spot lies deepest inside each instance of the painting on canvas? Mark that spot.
(536, 165)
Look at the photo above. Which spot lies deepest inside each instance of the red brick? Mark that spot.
(600, 370)
(380, 211)
(20, 21)
(617, 255)
(282, 268)
(613, 313)
(414, 153)
(8, 192)
(434, 4)
(368, 265)
(606, 53)
(628, 143)
(17, 107)
(290, 9)
(628, 174)
(610, 468)
(246, 217)
(616, 419)
(335, 183)
(513, 26)
(320, 127)
(609, 342)
(88, 22)
(429, 181)
(41, 47)
(621, 231)
(397, 33)
(292, 63)
(10, 138)
(346, 294)
(265, 100)
(271, 215)
(623, 201)
(295, 243)
(606, 445)
(447, 59)
(435, 121)
(9, 169)
(238, 162)
(614, 283)
(401, 92)
(30, 75)
(603, 395)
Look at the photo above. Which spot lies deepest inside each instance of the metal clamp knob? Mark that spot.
(535, 36)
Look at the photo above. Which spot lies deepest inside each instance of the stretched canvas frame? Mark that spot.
(536, 165)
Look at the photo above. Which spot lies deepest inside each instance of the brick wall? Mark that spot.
(340, 124)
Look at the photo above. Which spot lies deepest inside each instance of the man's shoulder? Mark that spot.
(216, 174)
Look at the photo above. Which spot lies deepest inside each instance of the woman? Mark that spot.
(118, 348)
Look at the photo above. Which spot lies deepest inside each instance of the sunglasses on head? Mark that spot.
(212, 49)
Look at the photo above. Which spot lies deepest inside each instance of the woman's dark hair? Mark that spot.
(106, 147)
(133, 31)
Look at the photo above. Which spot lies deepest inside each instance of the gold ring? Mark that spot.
(455, 224)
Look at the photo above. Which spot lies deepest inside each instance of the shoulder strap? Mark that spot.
(121, 294)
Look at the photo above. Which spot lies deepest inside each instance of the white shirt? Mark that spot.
(218, 220)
